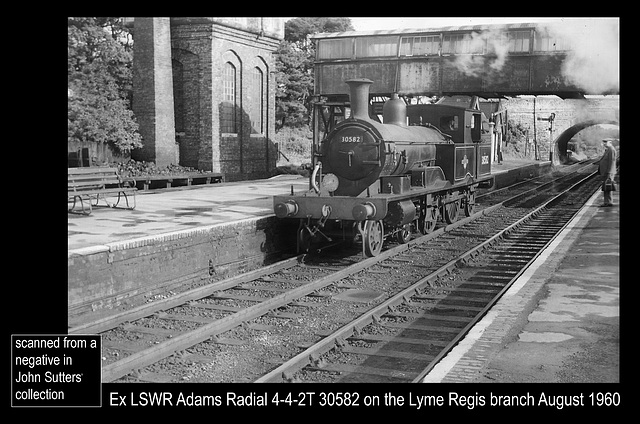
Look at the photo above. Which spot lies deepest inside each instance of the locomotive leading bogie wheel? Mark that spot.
(404, 234)
(373, 238)
(451, 212)
(469, 204)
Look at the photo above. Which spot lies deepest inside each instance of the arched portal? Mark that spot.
(560, 143)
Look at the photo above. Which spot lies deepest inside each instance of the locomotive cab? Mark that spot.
(468, 156)
(462, 124)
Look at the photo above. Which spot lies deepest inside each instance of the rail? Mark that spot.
(239, 304)
(335, 340)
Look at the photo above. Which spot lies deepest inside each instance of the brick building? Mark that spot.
(204, 93)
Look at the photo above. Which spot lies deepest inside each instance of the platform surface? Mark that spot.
(560, 321)
(186, 208)
(178, 209)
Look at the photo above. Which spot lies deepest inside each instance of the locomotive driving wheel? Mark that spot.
(373, 238)
(451, 212)
(427, 222)
(469, 204)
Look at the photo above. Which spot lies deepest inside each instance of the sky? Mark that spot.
(385, 23)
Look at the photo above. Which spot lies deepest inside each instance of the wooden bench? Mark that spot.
(92, 183)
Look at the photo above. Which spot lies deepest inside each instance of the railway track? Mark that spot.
(401, 339)
(339, 317)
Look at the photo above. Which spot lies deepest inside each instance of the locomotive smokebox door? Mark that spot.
(354, 152)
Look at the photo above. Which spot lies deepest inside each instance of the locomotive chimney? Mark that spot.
(359, 92)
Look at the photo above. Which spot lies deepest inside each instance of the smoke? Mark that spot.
(493, 43)
(593, 62)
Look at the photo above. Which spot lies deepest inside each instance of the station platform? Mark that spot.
(165, 211)
(560, 321)
(180, 209)
(191, 233)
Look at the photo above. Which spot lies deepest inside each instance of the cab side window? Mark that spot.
(449, 123)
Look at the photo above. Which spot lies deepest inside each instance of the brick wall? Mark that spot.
(153, 96)
(526, 111)
(200, 50)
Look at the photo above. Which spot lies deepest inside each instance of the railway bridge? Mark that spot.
(561, 143)
(567, 63)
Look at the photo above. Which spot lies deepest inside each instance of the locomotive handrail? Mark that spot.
(313, 177)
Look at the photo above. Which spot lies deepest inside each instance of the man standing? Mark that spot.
(607, 169)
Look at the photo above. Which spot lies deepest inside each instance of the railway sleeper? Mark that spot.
(387, 353)
(412, 325)
(399, 339)
(349, 369)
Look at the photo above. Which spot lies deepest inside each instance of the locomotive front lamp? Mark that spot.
(330, 182)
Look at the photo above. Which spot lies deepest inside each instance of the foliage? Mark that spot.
(295, 143)
(294, 79)
(516, 131)
(133, 168)
(299, 29)
(294, 67)
(100, 84)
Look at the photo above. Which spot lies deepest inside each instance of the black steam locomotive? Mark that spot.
(377, 180)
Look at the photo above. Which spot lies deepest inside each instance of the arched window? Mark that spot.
(229, 99)
(257, 100)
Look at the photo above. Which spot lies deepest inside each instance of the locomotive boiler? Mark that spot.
(374, 180)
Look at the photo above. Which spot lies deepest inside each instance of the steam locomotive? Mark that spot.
(373, 181)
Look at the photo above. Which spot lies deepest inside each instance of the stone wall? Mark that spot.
(122, 273)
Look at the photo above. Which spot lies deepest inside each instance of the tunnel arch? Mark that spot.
(560, 144)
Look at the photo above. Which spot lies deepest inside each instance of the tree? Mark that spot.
(294, 67)
(298, 30)
(294, 81)
(100, 84)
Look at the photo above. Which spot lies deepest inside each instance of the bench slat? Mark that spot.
(92, 170)
(83, 177)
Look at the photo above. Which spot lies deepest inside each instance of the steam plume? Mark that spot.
(592, 63)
